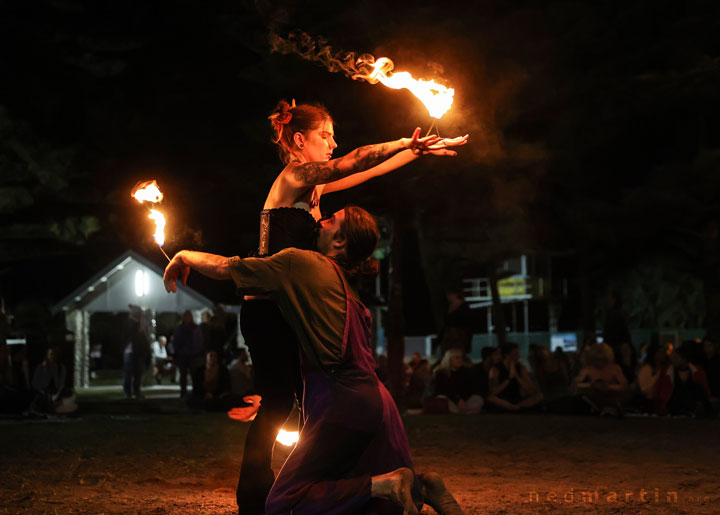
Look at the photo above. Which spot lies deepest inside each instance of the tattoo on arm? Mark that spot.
(359, 160)
(319, 173)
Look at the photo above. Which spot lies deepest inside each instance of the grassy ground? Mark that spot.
(156, 456)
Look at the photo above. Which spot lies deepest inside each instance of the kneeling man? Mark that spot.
(353, 454)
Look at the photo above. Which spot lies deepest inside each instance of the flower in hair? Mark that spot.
(280, 119)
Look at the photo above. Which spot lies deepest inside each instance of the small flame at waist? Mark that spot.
(159, 219)
(287, 438)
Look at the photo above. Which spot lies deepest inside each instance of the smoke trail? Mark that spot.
(353, 65)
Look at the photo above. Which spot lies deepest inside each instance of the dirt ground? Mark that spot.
(155, 456)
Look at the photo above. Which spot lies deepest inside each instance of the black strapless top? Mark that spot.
(285, 227)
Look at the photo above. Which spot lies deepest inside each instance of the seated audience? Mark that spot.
(710, 361)
(213, 385)
(481, 372)
(162, 363)
(551, 374)
(418, 378)
(48, 383)
(241, 375)
(682, 388)
(626, 357)
(601, 382)
(655, 358)
(453, 381)
(14, 394)
(511, 387)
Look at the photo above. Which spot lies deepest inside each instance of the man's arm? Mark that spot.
(210, 265)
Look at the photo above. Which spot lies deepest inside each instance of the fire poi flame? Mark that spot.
(437, 98)
(159, 219)
(149, 191)
(287, 438)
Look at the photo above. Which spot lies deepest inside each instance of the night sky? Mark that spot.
(594, 134)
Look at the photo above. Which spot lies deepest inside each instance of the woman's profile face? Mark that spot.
(319, 143)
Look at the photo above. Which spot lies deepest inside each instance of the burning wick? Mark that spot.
(149, 191)
(159, 235)
(431, 128)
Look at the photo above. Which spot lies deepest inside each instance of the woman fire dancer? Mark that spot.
(305, 138)
(353, 453)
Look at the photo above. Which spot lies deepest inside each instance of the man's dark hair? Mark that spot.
(508, 348)
(362, 235)
(486, 352)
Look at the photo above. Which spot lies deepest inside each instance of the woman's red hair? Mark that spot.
(287, 119)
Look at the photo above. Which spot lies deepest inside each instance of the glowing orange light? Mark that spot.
(159, 219)
(437, 98)
(147, 191)
(288, 438)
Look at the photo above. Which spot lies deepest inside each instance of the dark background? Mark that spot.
(594, 126)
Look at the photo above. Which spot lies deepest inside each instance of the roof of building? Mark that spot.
(130, 279)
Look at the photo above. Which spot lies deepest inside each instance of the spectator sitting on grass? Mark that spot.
(14, 395)
(601, 382)
(551, 374)
(49, 385)
(511, 388)
(162, 363)
(626, 357)
(213, 387)
(481, 372)
(681, 388)
(656, 359)
(241, 375)
(453, 381)
(710, 361)
(418, 378)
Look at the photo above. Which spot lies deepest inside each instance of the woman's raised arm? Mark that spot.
(397, 161)
(359, 160)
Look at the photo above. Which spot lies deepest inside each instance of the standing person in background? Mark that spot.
(457, 328)
(188, 344)
(4, 323)
(615, 328)
(136, 353)
(305, 139)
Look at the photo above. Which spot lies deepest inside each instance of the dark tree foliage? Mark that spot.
(594, 133)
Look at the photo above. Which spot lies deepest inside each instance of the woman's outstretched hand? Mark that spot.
(444, 143)
(434, 145)
(420, 145)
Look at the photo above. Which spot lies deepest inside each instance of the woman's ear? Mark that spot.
(299, 140)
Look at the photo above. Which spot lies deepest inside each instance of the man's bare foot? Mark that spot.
(437, 496)
(396, 486)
